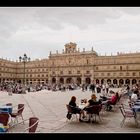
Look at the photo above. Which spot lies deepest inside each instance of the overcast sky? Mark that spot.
(38, 30)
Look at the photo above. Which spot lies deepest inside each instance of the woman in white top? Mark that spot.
(134, 97)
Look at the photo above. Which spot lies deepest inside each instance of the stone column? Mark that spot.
(83, 80)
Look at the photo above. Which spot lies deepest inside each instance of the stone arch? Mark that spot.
(53, 80)
(121, 81)
(127, 81)
(47, 81)
(102, 81)
(88, 80)
(69, 80)
(97, 81)
(61, 80)
(134, 81)
(115, 81)
(109, 81)
(79, 80)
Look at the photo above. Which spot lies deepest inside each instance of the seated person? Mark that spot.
(104, 98)
(111, 101)
(76, 109)
(134, 96)
(92, 101)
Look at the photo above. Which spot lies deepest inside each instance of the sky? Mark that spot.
(38, 30)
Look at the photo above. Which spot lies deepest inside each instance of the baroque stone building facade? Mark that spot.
(75, 66)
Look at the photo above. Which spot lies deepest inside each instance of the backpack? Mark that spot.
(69, 115)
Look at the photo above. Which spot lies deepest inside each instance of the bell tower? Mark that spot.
(70, 47)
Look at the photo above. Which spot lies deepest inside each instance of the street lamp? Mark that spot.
(24, 59)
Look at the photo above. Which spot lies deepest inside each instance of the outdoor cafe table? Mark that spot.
(7, 109)
(2, 129)
(82, 106)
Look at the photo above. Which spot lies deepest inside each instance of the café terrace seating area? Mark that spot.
(10, 118)
(46, 112)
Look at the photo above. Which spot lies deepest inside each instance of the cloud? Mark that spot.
(37, 31)
(130, 10)
(57, 18)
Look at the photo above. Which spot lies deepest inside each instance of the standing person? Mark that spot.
(10, 90)
(103, 89)
(83, 87)
(92, 87)
(107, 88)
(93, 101)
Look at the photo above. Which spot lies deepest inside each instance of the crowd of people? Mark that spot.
(106, 100)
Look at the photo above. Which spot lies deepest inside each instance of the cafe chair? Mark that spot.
(127, 112)
(9, 104)
(71, 114)
(94, 110)
(32, 122)
(5, 120)
(18, 113)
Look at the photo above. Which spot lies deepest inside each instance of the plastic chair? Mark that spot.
(33, 124)
(94, 110)
(18, 113)
(127, 113)
(5, 119)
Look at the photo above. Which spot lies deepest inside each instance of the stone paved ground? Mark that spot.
(50, 108)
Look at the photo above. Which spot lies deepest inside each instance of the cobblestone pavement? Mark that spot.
(50, 108)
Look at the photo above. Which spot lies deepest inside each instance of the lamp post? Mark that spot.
(24, 59)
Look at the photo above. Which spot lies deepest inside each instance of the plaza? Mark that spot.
(50, 108)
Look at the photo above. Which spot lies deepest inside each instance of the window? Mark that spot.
(53, 72)
(88, 72)
(114, 74)
(114, 67)
(42, 75)
(108, 74)
(120, 67)
(38, 75)
(78, 72)
(69, 72)
(96, 68)
(30, 75)
(134, 74)
(87, 61)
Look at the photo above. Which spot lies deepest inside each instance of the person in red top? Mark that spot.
(111, 101)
